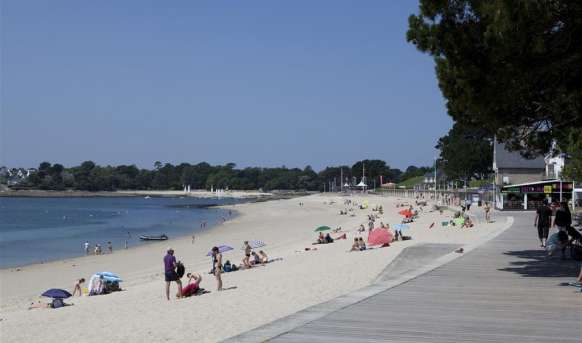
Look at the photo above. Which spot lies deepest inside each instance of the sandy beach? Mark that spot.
(253, 297)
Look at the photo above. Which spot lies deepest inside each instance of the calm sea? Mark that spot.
(33, 230)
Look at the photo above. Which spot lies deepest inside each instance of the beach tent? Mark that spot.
(380, 236)
(361, 184)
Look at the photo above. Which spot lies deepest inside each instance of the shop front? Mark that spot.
(529, 196)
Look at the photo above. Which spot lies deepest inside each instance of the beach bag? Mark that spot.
(180, 269)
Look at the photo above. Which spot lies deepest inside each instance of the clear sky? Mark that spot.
(264, 83)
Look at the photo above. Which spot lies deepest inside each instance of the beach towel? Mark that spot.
(459, 221)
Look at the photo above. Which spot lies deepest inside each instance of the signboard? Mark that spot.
(546, 188)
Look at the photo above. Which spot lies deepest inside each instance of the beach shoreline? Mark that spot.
(301, 279)
(38, 193)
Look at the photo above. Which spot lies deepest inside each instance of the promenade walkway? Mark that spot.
(504, 291)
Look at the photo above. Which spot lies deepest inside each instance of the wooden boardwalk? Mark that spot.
(504, 291)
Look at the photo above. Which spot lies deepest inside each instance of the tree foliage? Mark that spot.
(513, 67)
(466, 152)
(91, 177)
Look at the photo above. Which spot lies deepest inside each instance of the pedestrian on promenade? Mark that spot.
(542, 222)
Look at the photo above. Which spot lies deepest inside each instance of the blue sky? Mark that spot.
(265, 83)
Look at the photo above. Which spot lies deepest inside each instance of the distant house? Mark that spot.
(512, 168)
(428, 183)
(522, 184)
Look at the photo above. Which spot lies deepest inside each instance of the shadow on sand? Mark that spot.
(536, 263)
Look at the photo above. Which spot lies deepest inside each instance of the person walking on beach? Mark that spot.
(487, 209)
(110, 247)
(217, 267)
(542, 222)
(246, 260)
(86, 248)
(170, 272)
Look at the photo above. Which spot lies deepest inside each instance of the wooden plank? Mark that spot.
(506, 290)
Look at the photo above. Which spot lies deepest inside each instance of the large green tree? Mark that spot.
(513, 67)
(466, 152)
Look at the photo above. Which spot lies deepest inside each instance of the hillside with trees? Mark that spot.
(91, 177)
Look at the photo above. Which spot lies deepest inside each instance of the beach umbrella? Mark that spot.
(400, 227)
(255, 244)
(56, 293)
(322, 228)
(407, 213)
(221, 249)
(380, 236)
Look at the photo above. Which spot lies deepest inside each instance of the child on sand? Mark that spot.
(78, 287)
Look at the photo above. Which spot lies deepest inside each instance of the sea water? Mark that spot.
(34, 230)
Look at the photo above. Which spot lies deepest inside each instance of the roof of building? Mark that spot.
(513, 159)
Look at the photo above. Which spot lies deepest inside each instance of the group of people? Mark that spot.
(174, 270)
(98, 250)
(560, 219)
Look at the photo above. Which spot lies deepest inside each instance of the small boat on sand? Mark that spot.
(162, 237)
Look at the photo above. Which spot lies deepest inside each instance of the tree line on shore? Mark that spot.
(91, 177)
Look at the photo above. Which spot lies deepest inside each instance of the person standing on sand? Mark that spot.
(110, 247)
(246, 260)
(87, 248)
(487, 209)
(170, 272)
(217, 267)
(77, 287)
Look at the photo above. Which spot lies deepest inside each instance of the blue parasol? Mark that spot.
(56, 293)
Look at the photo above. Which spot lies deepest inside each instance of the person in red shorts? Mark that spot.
(193, 285)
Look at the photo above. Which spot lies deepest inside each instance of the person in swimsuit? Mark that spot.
(193, 285)
(264, 257)
(256, 259)
(217, 267)
(78, 287)
(246, 260)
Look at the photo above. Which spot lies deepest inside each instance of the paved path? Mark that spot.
(503, 291)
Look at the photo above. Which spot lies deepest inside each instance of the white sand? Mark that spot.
(142, 314)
